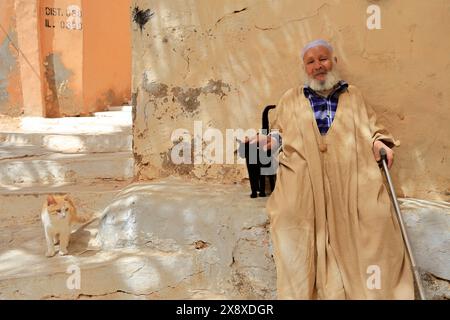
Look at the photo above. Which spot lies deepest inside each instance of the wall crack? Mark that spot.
(230, 14)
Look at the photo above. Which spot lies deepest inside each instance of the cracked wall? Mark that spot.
(221, 62)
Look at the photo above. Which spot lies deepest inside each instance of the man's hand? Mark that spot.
(377, 146)
(266, 142)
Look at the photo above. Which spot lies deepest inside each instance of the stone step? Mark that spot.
(127, 274)
(236, 270)
(75, 124)
(215, 232)
(235, 227)
(121, 108)
(23, 205)
(57, 168)
(65, 143)
(114, 114)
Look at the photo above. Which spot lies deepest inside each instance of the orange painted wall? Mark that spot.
(107, 53)
(28, 45)
(11, 101)
(62, 56)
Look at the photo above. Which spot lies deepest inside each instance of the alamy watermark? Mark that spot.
(374, 280)
(374, 19)
(73, 282)
(212, 146)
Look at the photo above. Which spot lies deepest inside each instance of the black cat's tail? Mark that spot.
(265, 118)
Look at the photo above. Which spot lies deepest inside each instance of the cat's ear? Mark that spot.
(51, 200)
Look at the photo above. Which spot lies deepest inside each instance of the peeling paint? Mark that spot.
(188, 98)
(7, 64)
(109, 98)
(134, 97)
(180, 169)
(138, 158)
(53, 62)
(200, 244)
(156, 90)
(140, 165)
(216, 87)
(57, 76)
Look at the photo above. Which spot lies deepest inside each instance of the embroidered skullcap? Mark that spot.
(316, 43)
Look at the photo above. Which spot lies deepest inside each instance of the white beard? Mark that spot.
(331, 79)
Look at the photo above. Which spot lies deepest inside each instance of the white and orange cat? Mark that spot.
(58, 214)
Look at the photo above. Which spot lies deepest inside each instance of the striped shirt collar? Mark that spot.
(325, 108)
(339, 87)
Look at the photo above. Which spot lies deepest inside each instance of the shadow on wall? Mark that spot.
(249, 52)
(198, 67)
(57, 77)
(10, 88)
(58, 95)
(206, 51)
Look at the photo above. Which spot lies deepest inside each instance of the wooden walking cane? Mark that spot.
(402, 225)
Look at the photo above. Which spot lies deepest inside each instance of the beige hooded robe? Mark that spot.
(334, 231)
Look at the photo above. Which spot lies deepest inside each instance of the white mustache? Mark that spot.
(332, 77)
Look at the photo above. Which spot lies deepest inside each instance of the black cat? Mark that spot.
(260, 164)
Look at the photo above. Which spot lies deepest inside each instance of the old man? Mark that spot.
(333, 228)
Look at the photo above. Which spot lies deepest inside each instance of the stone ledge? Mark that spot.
(172, 239)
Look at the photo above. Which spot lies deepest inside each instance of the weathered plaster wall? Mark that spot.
(10, 89)
(222, 61)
